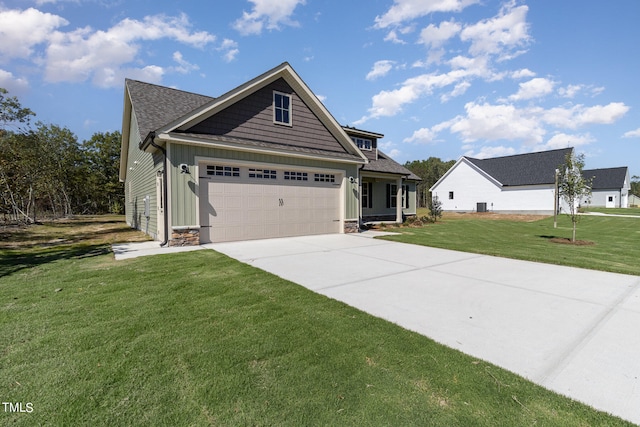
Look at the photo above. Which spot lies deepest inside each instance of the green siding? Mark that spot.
(184, 186)
(140, 182)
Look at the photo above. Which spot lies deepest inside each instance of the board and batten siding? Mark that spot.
(184, 187)
(140, 183)
(252, 118)
(469, 188)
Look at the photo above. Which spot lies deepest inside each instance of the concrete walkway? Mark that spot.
(571, 330)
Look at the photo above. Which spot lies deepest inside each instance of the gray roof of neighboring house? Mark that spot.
(606, 179)
(156, 106)
(385, 164)
(524, 169)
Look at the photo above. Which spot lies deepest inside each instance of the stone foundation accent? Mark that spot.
(351, 227)
(185, 236)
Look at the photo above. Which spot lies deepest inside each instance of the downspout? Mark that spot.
(164, 188)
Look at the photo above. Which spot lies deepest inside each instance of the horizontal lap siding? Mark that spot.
(252, 118)
(141, 182)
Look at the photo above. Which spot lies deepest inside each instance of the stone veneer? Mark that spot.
(185, 236)
(351, 227)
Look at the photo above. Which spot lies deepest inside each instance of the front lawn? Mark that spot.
(200, 339)
(613, 240)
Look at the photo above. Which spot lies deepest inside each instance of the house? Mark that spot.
(522, 183)
(610, 187)
(263, 160)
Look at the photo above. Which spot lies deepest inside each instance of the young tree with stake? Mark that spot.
(573, 187)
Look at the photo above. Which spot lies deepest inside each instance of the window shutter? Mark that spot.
(406, 196)
(370, 201)
(388, 195)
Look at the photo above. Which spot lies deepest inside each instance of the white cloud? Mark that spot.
(16, 86)
(230, 49)
(579, 115)
(563, 140)
(632, 134)
(407, 10)
(488, 152)
(498, 35)
(570, 91)
(458, 90)
(497, 122)
(269, 14)
(436, 36)
(522, 73)
(22, 30)
(422, 136)
(99, 55)
(534, 88)
(380, 69)
(184, 66)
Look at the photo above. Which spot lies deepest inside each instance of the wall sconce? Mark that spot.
(184, 168)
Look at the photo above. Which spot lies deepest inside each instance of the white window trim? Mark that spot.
(288, 95)
(355, 141)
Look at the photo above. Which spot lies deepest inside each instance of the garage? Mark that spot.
(245, 202)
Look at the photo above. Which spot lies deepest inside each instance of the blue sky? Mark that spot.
(441, 78)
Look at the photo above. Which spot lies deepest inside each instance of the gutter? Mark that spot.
(151, 137)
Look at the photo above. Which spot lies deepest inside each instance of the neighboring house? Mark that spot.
(264, 160)
(522, 183)
(610, 187)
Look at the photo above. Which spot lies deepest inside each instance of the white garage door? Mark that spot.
(244, 203)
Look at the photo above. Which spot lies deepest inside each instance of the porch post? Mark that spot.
(399, 203)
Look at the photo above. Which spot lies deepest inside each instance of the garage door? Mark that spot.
(245, 203)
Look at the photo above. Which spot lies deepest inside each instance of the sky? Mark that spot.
(439, 78)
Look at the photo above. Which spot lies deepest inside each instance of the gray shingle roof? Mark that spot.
(606, 179)
(524, 169)
(156, 106)
(386, 164)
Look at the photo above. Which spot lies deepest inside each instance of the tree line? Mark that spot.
(46, 172)
(430, 170)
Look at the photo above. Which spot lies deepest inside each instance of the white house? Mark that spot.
(610, 187)
(522, 183)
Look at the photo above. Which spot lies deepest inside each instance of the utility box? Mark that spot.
(481, 207)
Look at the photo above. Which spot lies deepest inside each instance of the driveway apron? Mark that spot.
(571, 330)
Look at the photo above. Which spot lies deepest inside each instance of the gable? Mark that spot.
(251, 118)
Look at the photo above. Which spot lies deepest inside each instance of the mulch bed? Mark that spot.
(567, 241)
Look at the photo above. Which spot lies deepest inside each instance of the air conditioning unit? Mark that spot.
(481, 207)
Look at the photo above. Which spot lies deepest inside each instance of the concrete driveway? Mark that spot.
(571, 330)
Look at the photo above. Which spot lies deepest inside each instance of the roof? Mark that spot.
(523, 169)
(385, 164)
(608, 178)
(155, 106)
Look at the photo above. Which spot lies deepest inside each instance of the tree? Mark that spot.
(435, 208)
(430, 170)
(573, 187)
(102, 152)
(11, 112)
(635, 185)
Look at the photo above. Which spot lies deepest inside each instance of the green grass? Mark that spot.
(613, 240)
(200, 339)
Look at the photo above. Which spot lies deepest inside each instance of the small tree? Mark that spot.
(573, 187)
(435, 208)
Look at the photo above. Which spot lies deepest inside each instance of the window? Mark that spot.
(262, 174)
(405, 196)
(295, 176)
(367, 196)
(364, 144)
(392, 195)
(281, 108)
(450, 195)
(324, 177)
(220, 170)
